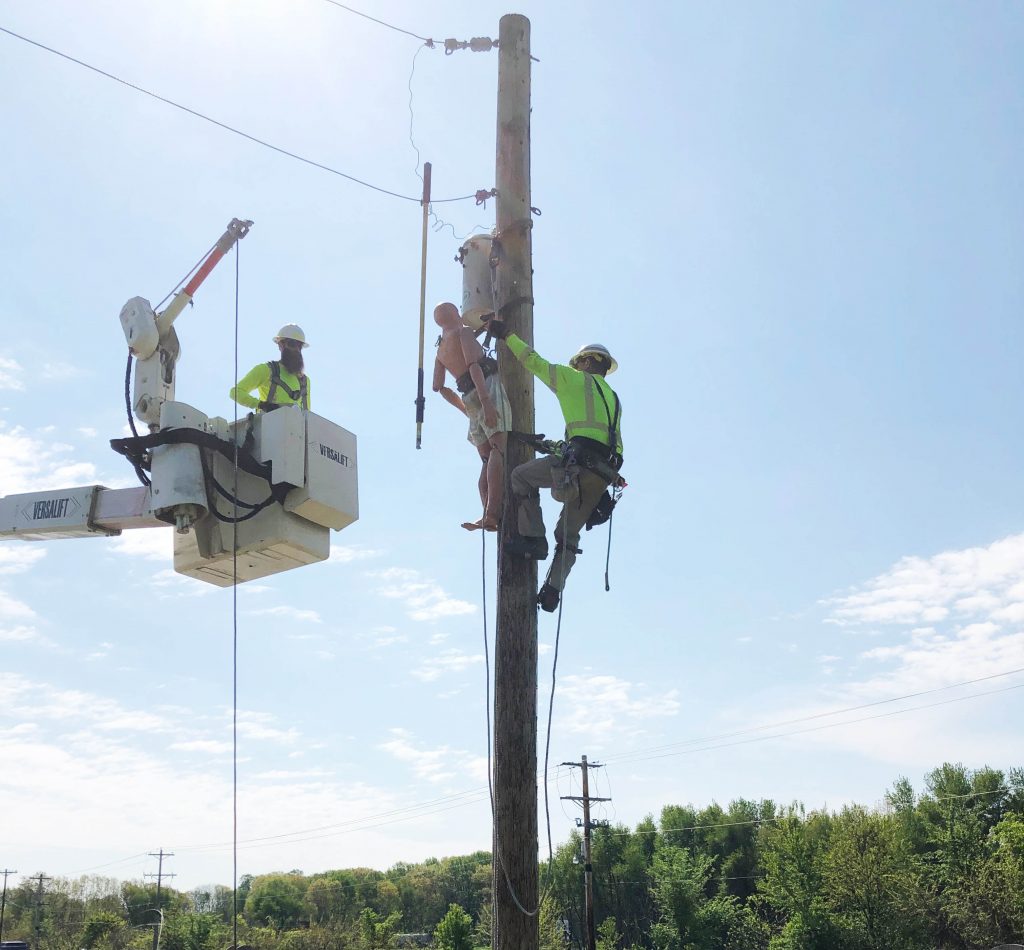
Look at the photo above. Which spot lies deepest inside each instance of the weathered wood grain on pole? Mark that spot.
(515, 663)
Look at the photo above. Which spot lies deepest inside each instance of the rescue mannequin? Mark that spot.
(281, 382)
(483, 401)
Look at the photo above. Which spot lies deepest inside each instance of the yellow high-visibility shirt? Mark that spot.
(258, 378)
(577, 392)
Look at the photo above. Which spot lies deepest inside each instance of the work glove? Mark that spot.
(267, 406)
(497, 328)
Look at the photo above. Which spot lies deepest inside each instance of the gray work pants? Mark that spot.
(577, 488)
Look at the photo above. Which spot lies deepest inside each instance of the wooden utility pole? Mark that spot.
(161, 854)
(515, 661)
(37, 911)
(6, 872)
(588, 826)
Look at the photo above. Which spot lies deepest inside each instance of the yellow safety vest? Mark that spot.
(589, 405)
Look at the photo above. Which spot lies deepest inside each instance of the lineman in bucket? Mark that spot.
(280, 382)
(589, 464)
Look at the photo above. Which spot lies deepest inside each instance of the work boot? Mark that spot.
(529, 547)
(547, 598)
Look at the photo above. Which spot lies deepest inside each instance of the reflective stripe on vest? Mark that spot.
(299, 395)
(590, 426)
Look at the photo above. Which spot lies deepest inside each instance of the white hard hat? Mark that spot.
(595, 349)
(291, 331)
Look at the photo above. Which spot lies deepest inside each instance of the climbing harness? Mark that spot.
(488, 366)
(300, 395)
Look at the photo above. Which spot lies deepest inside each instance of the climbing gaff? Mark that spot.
(420, 401)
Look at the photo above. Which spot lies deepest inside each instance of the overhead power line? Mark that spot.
(827, 725)
(226, 127)
(476, 795)
(651, 752)
(776, 818)
(390, 26)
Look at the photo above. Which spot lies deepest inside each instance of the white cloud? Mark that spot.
(28, 464)
(46, 703)
(59, 371)
(449, 661)
(346, 554)
(212, 746)
(423, 597)
(11, 374)
(260, 725)
(18, 557)
(964, 612)
(16, 633)
(439, 764)
(151, 544)
(919, 590)
(289, 613)
(603, 705)
(384, 636)
(13, 609)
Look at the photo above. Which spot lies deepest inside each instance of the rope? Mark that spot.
(234, 646)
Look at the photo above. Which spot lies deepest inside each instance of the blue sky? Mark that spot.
(797, 226)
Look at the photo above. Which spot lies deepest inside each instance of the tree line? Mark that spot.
(939, 869)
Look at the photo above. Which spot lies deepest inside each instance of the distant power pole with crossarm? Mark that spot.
(587, 825)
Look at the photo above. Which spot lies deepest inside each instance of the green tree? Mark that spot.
(192, 932)
(105, 929)
(277, 900)
(989, 908)
(792, 855)
(455, 930)
(679, 879)
(376, 932)
(872, 884)
(607, 935)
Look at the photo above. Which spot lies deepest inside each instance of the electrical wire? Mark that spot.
(469, 797)
(225, 126)
(647, 753)
(777, 818)
(412, 115)
(834, 725)
(390, 26)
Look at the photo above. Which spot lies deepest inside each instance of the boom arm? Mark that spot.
(151, 337)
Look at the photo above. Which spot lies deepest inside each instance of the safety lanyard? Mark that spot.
(613, 442)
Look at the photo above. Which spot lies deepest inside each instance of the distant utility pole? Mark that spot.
(160, 855)
(588, 826)
(37, 911)
(515, 649)
(6, 872)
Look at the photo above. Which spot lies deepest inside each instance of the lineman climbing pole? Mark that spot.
(515, 659)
